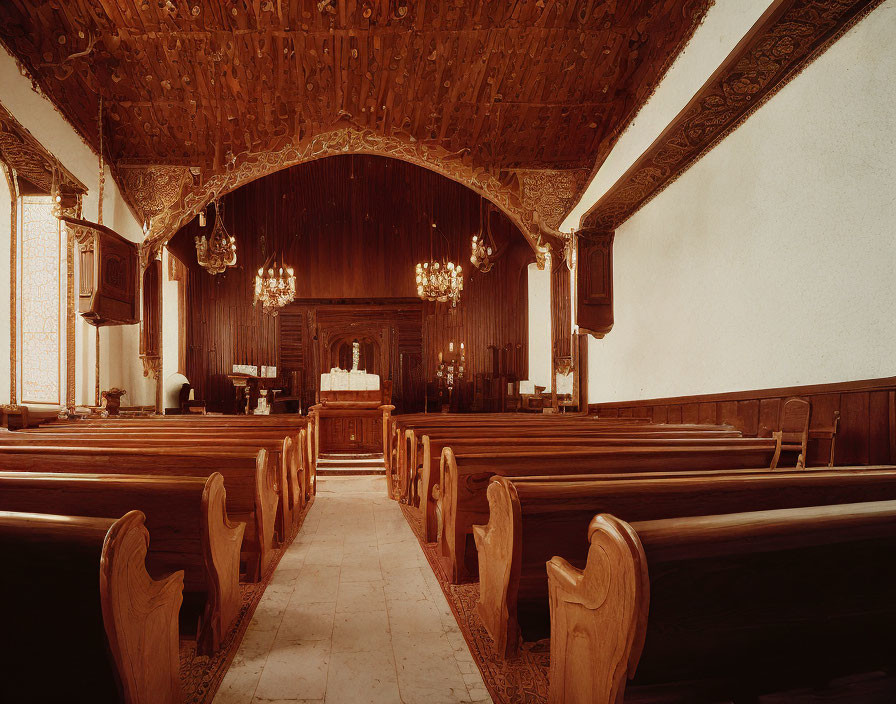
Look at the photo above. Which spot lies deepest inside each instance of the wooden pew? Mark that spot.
(409, 449)
(754, 602)
(423, 451)
(283, 451)
(187, 518)
(82, 619)
(433, 447)
(400, 424)
(279, 420)
(532, 521)
(251, 494)
(464, 480)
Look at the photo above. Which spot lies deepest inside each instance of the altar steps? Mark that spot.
(342, 464)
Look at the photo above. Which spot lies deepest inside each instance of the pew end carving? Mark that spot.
(598, 616)
(494, 545)
(140, 615)
(224, 539)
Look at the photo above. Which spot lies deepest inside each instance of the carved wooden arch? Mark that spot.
(170, 198)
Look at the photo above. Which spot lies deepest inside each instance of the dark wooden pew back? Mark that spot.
(82, 619)
(283, 451)
(248, 480)
(464, 480)
(186, 517)
(760, 601)
(532, 521)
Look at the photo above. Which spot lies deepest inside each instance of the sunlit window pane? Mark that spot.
(39, 293)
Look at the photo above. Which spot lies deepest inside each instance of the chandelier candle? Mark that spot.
(275, 288)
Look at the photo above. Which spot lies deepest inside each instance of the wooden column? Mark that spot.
(561, 321)
(582, 371)
(151, 328)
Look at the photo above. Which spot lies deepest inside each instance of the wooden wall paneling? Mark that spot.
(854, 428)
(659, 414)
(690, 412)
(892, 414)
(867, 407)
(353, 227)
(707, 412)
(769, 415)
(726, 412)
(748, 413)
(879, 427)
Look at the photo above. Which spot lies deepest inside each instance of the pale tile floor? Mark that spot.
(353, 614)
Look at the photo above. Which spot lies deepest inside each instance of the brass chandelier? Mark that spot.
(218, 252)
(481, 247)
(439, 281)
(275, 287)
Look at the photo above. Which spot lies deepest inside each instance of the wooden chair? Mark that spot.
(794, 432)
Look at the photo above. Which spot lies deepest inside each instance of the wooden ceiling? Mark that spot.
(538, 85)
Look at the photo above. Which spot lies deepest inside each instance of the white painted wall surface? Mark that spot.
(540, 325)
(120, 365)
(772, 261)
(170, 322)
(5, 243)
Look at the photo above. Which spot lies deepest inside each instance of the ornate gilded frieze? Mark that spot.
(552, 193)
(153, 189)
(505, 189)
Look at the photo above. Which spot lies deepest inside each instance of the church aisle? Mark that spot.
(353, 614)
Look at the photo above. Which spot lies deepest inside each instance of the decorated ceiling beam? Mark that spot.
(787, 38)
(22, 153)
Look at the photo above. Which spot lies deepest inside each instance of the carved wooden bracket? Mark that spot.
(594, 282)
(36, 169)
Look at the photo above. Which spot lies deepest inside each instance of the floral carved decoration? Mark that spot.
(520, 199)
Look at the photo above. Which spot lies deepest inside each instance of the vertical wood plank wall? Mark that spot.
(353, 227)
(867, 415)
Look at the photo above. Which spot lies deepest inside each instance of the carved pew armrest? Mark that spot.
(598, 615)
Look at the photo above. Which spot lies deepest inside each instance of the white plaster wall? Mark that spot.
(170, 322)
(540, 325)
(120, 365)
(771, 261)
(5, 242)
(725, 24)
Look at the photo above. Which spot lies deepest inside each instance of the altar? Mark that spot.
(352, 411)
